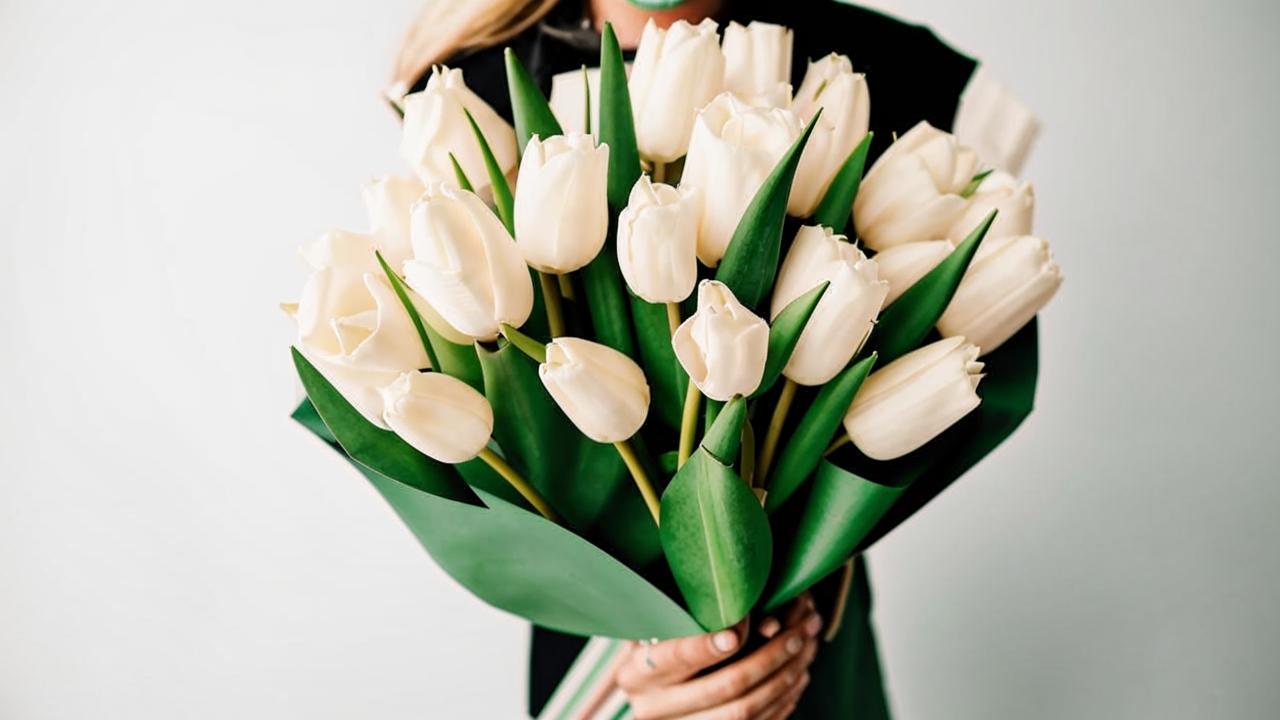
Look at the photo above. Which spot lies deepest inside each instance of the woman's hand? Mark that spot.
(661, 680)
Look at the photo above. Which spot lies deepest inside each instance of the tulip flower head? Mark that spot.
(658, 241)
(1004, 288)
(903, 265)
(675, 72)
(758, 63)
(562, 211)
(830, 85)
(723, 346)
(603, 392)
(439, 415)
(435, 124)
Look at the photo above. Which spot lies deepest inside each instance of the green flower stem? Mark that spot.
(628, 454)
(525, 344)
(770, 446)
(837, 444)
(688, 424)
(521, 485)
(566, 286)
(673, 316)
(551, 298)
(659, 171)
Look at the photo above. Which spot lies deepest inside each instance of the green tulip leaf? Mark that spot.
(667, 379)
(804, 449)
(529, 107)
(784, 333)
(503, 201)
(607, 295)
(381, 451)
(751, 260)
(464, 182)
(837, 205)
(907, 321)
(518, 562)
(841, 510)
(617, 125)
(724, 437)
(717, 541)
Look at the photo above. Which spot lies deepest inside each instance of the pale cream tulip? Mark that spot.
(439, 415)
(435, 124)
(734, 148)
(387, 200)
(601, 390)
(723, 346)
(466, 266)
(1015, 200)
(658, 241)
(758, 63)
(562, 210)
(675, 72)
(844, 315)
(831, 85)
(1003, 289)
(912, 193)
(914, 398)
(570, 93)
(903, 265)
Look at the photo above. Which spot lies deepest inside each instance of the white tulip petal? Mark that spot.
(439, 415)
(904, 265)
(675, 72)
(723, 346)
(561, 206)
(657, 241)
(435, 124)
(603, 392)
(1002, 291)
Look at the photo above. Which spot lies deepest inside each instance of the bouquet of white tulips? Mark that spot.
(656, 384)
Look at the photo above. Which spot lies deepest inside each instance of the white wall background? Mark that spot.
(171, 546)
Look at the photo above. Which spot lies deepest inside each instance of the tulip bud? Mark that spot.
(903, 265)
(1003, 289)
(722, 346)
(569, 98)
(562, 211)
(1015, 201)
(757, 63)
(466, 266)
(435, 125)
(831, 85)
(675, 72)
(734, 148)
(914, 398)
(351, 324)
(913, 191)
(844, 315)
(439, 415)
(601, 390)
(387, 200)
(658, 241)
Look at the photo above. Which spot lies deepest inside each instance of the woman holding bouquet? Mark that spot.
(759, 670)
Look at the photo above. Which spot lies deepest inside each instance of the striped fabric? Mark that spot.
(587, 691)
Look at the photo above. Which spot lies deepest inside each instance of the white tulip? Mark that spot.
(658, 241)
(1015, 200)
(351, 324)
(832, 85)
(562, 210)
(601, 390)
(435, 125)
(466, 266)
(387, 200)
(758, 63)
(734, 148)
(1002, 291)
(903, 265)
(914, 398)
(675, 72)
(912, 193)
(722, 346)
(439, 415)
(570, 93)
(844, 315)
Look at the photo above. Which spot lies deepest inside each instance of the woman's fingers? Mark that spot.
(673, 661)
(767, 696)
(786, 705)
(736, 680)
(800, 607)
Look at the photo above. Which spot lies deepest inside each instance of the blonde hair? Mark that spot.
(445, 27)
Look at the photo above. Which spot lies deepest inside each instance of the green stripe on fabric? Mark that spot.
(590, 680)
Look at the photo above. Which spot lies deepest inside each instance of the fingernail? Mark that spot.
(794, 644)
(770, 627)
(812, 627)
(790, 679)
(725, 641)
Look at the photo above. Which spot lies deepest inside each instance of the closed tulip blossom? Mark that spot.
(435, 124)
(675, 72)
(844, 315)
(658, 241)
(830, 84)
(757, 60)
(904, 265)
(722, 346)
(465, 265)
(914, 191)
(1014, 199)
(1003, 289)
(734, 148)
(439, 415)
(387, 201)
(603, 392)
(915, 398)
(562, 212)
